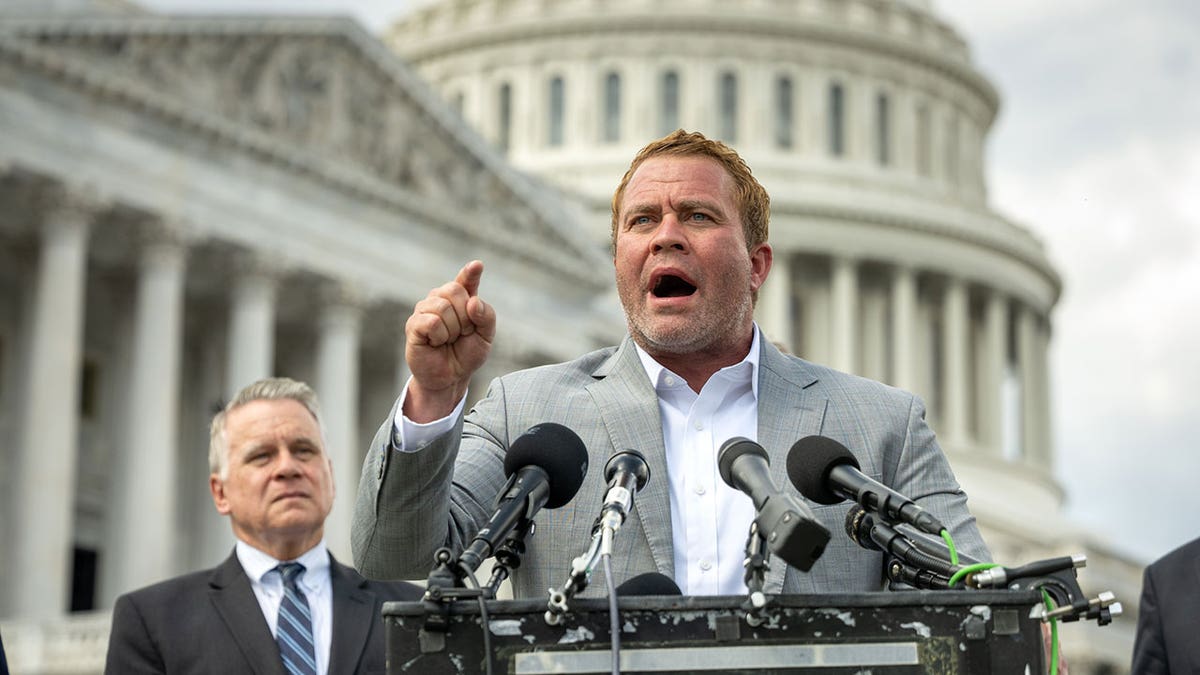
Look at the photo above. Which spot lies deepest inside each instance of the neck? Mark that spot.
(697, 367)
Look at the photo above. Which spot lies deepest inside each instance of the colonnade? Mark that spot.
(956, 342)
(149, 509)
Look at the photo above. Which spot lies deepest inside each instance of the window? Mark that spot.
(784, 112)
(728, 105)
(837, 121)
(668, 120)
(504, 118)
(611, 133)
(952, 149)
(883, 131)
(556, 110)
(923, 141)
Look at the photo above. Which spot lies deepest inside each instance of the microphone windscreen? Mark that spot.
(808, 465)
(556, 450)
(731, 450)
(650, 583)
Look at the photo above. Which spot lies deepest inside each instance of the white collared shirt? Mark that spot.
(315, 583)
(709, 519)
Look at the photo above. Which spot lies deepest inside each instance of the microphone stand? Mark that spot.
(508, 555)
(757, 563)
(579, 577)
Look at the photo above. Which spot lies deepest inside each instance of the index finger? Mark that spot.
(469, 276)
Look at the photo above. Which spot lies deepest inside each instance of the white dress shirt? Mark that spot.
(709, 520)
(315, 583)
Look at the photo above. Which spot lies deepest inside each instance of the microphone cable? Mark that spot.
(484, 622)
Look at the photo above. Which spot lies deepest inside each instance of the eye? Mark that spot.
(700, 217)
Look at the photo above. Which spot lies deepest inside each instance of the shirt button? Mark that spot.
(705, 565)
(699, 426)
(669, 381)
(700, 490)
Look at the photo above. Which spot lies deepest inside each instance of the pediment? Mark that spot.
(328, 98)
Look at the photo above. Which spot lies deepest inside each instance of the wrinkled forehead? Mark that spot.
(690, 177)
(269, 420)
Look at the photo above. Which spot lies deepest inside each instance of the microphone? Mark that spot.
(649, 583)
(545, 466)
(785, 523)
(626, 473)
(872, 533)
(824, 471)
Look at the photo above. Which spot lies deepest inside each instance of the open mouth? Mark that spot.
(671, 286)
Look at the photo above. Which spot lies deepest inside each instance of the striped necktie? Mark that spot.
(294, 630)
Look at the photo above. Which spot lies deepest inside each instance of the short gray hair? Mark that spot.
(269, 389)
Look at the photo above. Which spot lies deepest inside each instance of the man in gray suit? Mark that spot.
(690, 252)
(280, 603)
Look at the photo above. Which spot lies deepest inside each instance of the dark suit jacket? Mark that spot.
(1168, 630)
(210, 622)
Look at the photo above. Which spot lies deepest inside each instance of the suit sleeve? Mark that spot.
(922, 473)
(130, 647)
(1149, 652)
(412, 503)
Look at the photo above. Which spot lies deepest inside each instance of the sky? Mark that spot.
(1096, 149)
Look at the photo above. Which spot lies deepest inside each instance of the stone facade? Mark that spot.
(189, 205)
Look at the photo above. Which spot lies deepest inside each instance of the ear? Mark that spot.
(761, 257)
(217, 487)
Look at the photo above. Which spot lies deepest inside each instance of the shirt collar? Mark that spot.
(657, 373)
(258, 564)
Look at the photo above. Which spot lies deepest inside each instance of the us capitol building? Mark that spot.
(190, 203)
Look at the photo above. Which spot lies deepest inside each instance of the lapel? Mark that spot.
(353, 616)
(231, 595)
(788, 409)
(629, 410)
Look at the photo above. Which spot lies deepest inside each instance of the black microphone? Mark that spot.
(824, 471)
(626, 473)
(872, 533)
(545, 466)
(649, 583)
(785, 523)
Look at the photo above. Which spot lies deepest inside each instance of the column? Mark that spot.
(904, 325)
(1045, 428)
(993, 362)
(337, 387)
(1027, 367)
(142, 525)
(775, 303)
(874, 344)
(251, 346)
(844, 287)
(44, 481)
(955, 369)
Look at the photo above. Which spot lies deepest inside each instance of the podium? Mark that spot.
(976, 632)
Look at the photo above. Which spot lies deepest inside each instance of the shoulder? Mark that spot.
(585, 365)
(1177, 561)
(838, 385)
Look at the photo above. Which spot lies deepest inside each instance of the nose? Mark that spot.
(669, 234)
(288, 465)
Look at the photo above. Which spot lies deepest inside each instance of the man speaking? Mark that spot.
(690, 252)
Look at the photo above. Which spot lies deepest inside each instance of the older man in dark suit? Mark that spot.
(1169, 616)
(280, 603)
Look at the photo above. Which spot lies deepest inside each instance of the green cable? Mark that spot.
(950, 544)
(969, 569)
(1053, 634)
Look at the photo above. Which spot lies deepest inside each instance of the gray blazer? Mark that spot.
(409, 504)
